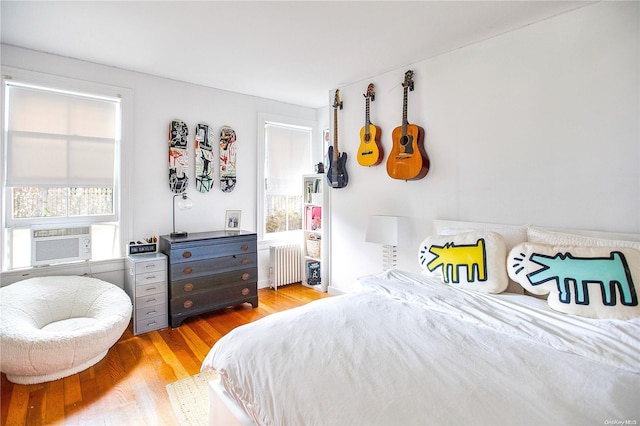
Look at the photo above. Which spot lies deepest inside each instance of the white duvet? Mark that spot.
(408, 351)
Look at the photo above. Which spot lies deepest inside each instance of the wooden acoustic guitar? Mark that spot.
(370, 151)
(408, 159)
(337, 173)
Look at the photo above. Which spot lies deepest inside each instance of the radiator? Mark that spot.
(285, 264)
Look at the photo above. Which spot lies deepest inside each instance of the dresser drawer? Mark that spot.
(145, 301)
(153, 288)
(149, 266)
(216, 298)
(206, 250)
(154, 323)
(199, 268)
(150, 311)
(209, 282)
(151, 277)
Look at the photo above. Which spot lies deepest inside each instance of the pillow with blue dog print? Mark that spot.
(594, 282)
(469, 260)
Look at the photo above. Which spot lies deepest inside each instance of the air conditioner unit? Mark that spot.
(58, 245)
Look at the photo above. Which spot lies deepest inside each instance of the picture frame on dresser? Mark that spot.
(232, 220)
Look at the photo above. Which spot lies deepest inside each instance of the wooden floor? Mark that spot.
(128, 386)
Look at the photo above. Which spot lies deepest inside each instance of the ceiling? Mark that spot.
(292, 51)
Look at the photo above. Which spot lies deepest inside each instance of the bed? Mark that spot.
(413, 349)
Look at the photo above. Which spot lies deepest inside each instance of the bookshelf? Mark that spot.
(313, 225)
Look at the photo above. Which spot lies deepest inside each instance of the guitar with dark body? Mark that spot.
(337, 173)
(408, 159)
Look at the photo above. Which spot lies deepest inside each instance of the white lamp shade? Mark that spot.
(388, 230)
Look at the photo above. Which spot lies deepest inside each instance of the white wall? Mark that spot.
(538, 126)
(158, 101)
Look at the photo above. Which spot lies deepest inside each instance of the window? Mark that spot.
(61, 163)
(287, 152)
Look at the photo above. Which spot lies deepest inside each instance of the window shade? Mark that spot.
(59, 139)
(288, 157)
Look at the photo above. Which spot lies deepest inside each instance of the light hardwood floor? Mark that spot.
(128, 386)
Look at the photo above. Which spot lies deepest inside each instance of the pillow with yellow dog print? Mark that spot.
(469, 260)
(594, 282)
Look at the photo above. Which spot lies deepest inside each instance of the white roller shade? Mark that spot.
(288, 155)
(60, 139)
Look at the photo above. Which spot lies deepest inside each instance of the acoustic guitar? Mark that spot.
(370, 151)
(408, 159)
(337, 173)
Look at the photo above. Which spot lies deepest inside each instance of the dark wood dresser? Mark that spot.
(210, 271)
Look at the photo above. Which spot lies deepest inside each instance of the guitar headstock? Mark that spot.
(337, 103)
(408, 80)
(370, 93)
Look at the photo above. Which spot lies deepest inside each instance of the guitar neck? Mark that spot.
(404, 112)
(335, 134)
(367, 122)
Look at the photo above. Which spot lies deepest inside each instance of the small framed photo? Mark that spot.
(232, 220)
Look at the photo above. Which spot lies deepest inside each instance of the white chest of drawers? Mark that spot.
(146, 285)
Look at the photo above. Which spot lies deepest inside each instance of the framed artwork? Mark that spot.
(326, 141)
(232, 220)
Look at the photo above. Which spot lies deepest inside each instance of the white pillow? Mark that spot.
(470, 260)
(543, 236)
(513, 235)
(595, 282)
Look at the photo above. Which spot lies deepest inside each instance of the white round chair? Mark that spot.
(53, 327)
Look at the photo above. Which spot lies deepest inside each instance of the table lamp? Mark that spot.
(391, 232)
(184, 203)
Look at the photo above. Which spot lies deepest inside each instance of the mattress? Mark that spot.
(405, 349)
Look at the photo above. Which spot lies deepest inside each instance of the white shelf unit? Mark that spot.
(314, 225)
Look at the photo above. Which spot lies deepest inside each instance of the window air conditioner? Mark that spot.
(58, 245)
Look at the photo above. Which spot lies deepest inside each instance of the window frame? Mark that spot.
(263, 120)
(121, 216)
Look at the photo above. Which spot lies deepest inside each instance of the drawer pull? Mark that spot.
(150, 288)
(187, 304)
(245, 276)
(245, 291)
(150, 265)
(151, 323)
(150, 277)
(188, 270)
(244, 247)
(186, 254)
(244, 261)
(188, 287)
(151, 300)
(151, 312)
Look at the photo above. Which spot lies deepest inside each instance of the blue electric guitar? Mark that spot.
(337, 173)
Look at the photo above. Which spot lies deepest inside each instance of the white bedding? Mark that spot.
(405, 350)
